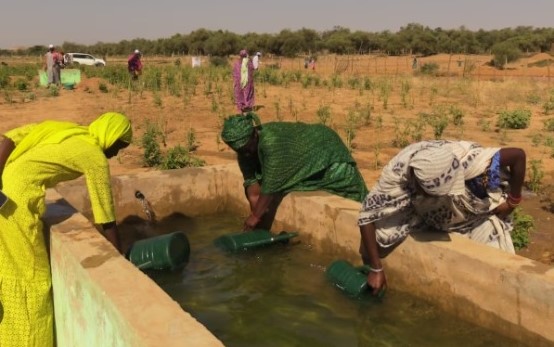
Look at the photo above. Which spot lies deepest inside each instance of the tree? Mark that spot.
(505, 52)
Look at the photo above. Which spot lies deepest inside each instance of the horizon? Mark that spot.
(91, 23)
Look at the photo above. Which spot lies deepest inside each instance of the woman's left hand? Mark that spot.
(251, 222)
(503, 210)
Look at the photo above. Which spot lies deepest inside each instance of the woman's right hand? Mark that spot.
(503, 210)
(377, 281)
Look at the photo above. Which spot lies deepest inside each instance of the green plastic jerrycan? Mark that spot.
(351, 280)
(169, 251)
(252, 239)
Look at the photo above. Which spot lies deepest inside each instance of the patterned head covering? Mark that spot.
(438, 171)
(238, 129)
(243, 53)
(110, 127)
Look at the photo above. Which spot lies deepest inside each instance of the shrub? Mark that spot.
(103, 87)
(505, 52)
(4, 78)
(324, 114)
(21, 84)
(548, 107)
(53, 91)
(549, 124)
(152, 154)
(484, 124)
(219, 61)
(438, 120)
(523, 225)
(178, 157)
(536, 175)
(192, 144)
(517, 119)
(429, 69)
(457, 115)
(533, 98)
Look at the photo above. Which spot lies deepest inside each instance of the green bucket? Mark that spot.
(170, 251)
(351, 280)
(252, 239)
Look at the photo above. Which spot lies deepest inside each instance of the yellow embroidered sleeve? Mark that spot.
(17, 134)
(97, 175)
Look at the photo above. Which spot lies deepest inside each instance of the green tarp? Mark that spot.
(68, 76)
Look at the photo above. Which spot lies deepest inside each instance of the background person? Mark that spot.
(53, 62)
(256, 60)
(33, 158)
(134, 64)
(280, 157)
(311, 64)
(243, 82)
(448, 186)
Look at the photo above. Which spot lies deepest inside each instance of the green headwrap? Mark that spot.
(238, 129)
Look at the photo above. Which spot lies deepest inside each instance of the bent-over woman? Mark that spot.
(33, 158)
(447, 186)
(279, 157)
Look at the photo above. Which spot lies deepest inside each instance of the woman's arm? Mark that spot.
(259, 209)
(376, 276)
(6, 148)
(515, 160)
(252, 193)
(112, 235)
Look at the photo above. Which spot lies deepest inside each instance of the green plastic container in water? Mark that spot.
(252, 239)
(350, 279)
(170, 251)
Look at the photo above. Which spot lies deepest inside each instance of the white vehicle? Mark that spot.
(83, 59)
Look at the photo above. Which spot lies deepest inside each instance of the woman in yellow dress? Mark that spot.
(33, 158)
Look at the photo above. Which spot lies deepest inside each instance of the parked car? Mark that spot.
(82, 59)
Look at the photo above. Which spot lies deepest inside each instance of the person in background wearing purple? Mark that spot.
(134, 64)
(243, 78)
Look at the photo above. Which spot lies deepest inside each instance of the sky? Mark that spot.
(26, 23)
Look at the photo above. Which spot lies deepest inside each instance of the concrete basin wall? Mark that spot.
(508, 294)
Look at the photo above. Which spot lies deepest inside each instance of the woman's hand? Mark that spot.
(503, 210)
(377, 281)
(251, 222)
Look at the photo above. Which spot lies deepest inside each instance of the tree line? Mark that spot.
(413, 38)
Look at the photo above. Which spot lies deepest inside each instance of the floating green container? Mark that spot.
(252, 239)
(350, 279)
(169, 251)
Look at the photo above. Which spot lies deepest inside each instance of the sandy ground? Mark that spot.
(481, 96)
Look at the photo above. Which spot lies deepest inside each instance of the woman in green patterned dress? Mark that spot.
(280, 157)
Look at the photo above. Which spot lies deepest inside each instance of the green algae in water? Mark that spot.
(279, 296)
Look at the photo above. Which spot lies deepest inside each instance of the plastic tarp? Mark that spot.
(68, 76)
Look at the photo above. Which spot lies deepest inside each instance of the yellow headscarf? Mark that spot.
(104, 131)
(110, 127)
